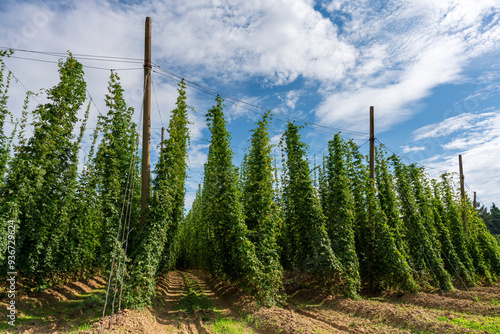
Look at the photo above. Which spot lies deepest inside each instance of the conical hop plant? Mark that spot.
(452, 261)
(306, 246)
(382, 264)
(42, 178)
(424, 251)
(158, 236)
(452, 220)
(232, 254)
(259, 206)
(338, 207)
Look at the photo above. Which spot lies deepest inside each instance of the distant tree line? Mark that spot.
(491, 218)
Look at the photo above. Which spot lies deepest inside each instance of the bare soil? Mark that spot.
(193, 302)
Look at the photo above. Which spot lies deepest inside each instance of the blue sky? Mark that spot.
(430, 69)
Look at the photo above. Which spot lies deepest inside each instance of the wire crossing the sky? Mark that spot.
(163, 72)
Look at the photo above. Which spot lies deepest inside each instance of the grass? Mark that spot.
(195, 299)
(249, 319)
(78, 311)
(488, 324)
(83, 327)
(228, 326)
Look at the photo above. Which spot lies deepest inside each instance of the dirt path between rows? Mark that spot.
(193, 302)
(170, 292)
(165, 317)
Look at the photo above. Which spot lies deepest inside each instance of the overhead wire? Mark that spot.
(21, 83)
(173, 76)
(241, 103)
(157, 105)
(205, 89)
(80, 55)
(84, 65)
(406, 157)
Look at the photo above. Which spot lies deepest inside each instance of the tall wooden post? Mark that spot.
(162, 139)
(475, 201)
(372, 144)
(462, 192)
(146, 130)
(372, 162)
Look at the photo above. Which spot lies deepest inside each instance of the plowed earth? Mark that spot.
(190, 302)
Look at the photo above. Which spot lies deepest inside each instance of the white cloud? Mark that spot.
(408, 149)
(349, 108)
(279, 40)
(291, 98)
(479, 145)
(407, 48)
(451, 125)
(198, 155)
(387, 54)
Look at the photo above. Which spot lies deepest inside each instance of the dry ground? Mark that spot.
(190, 302)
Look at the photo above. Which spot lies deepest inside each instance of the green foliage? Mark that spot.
(491, 219)
(193, 238)
(165, 211)
(115, 159)
(452, 219)
(171, 177)
(85, 232)
(358, 174)
(389, 267)
(486, 249)
(5, 141)
(80, 238)
(8, 205)
(338, 207)
(382, 264)
(452, 261)
(214, 235)
(388, 200)
(424, 250)
(495, 215)
(42, 178)
(260, 209)
(306, 246)
(232, 253)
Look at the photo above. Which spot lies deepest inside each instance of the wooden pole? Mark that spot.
(475, 201)
(146, 130)
(372, 144)
(162, 139)
(372, 160)
(462, 191)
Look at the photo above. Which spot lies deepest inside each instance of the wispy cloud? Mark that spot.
(479, 145)
(408, 149)
(407, 48)
(452, 125)
(389, 54)
(279, 40)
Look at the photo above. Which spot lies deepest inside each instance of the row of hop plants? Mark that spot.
(344, 231)
(66, 219)
(69, 221)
